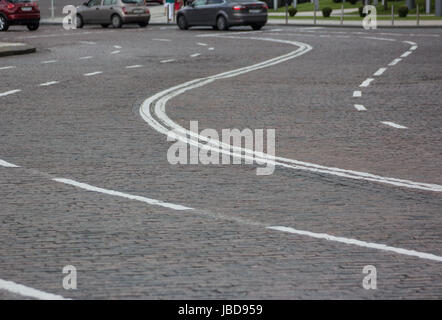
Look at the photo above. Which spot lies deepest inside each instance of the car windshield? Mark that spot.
(133, 1)
(243, 0)
(19, 1)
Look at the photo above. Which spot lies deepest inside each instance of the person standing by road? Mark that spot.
(169, 7)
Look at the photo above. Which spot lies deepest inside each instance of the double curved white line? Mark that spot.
(155, 106)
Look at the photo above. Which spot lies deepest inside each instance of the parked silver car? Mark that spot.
(113, 12)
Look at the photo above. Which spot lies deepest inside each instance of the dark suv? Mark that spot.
(22, 12)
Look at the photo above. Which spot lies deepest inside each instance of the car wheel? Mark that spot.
(4, 25)
(143, 24)
(116, 21)
(105, 25)
(221, 23)
(182, 22)
(33, 27)
(80, 22)
(257, 26)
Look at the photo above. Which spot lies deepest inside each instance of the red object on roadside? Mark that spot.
(177, 5)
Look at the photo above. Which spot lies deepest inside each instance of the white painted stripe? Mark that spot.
(49, 61)
(413, 48)
(161, 39)
(134, 66)
(406, 54)
(27, 291)
(380, 71)
(7, 93)
(359, 243)
(8, 67)
(121, 194)
(164, 125)
(384, 39)
(394, 125)
(366, 82)
(88, 42)
(92, 73)
(169, 60)
(211, 49)
(117, 47)
(84, 58)
(6, 164)
(115, 52)
(195, 55)
(50, 83)
(201, 44)
(357, 93)
(410, 42)
(394, 62)
(360, 107)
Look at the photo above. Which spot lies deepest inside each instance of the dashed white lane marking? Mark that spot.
(6, 164)
(168, 60)
(394, 62)
(411, 43)
(380, 71)
(121, 194)
(394, 125)
(49, 61)
(92, 73)
(383, 39)
(7, 93)
(366, 82)
(357, 93)
(117, 47)
(163, 124)
(413, 48)
(195, 55)
(406, 54)
(359, 243)
(360, 107)
(201, 44)
(27, 291)
(115, 52)
(85, 58)
(46, 84)
(134, 66)
(211, 49)
(165, 40)
(88, 42)
(7, 67)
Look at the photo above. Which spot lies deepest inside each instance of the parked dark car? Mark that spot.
(222, 14)
(19, 12)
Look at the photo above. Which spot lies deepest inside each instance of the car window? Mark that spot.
(134, 1)
(109, 2)
(94, 3)
(215, 1)
(197, 3)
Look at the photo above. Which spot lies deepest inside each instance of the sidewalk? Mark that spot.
(9, 49)
(335, 12)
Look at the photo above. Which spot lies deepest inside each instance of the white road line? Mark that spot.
(357, 93)
(6, 164)
(166, 61)
(115, 52)
(201, 44)
(410, 42)
(8, 67)
(164, 124)
(394, 125)
(394, 62)
(121, 194)
(366, 82)
(92, 73)
(134, 66)
(380, 71)
(49, 61)
(360, 107)
(406, 54)
(359, 243)
(195, 55)
(46, 84)
(383, 39)
(88, 42)
(27, 291)
(211, 49)
(413, 48)
(117, 47)
(7, 93)
(85, 58)
(166, 40)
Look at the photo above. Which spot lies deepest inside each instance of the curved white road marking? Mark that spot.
(6, 164)
(394, 62)
(394, 125)
(7, 93)
(27, 291)
(164, 125)
(406, 54)
(366, 82)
